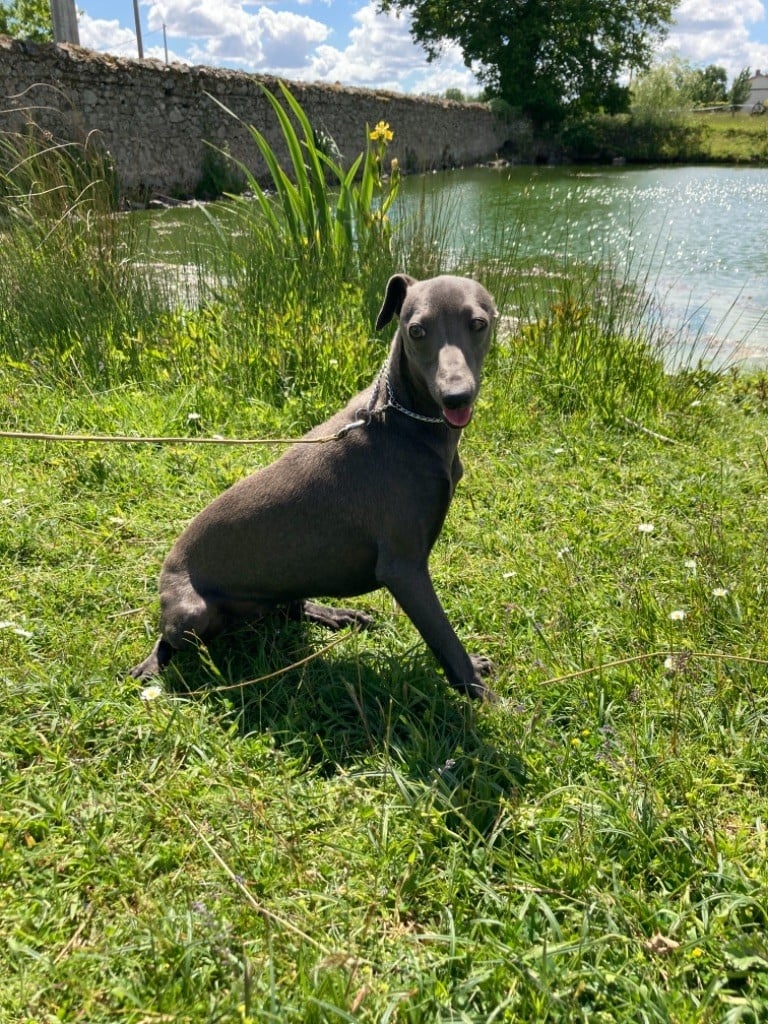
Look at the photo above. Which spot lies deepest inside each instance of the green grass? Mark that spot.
(728, 138)
(687, 138)
(348, 839)
(301, 827)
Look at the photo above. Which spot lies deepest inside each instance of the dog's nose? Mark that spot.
(457, 399)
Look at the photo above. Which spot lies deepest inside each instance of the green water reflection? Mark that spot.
(693, 238)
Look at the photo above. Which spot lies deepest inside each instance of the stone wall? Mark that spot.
(156, 119)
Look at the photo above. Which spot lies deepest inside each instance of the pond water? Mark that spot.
(693, 237)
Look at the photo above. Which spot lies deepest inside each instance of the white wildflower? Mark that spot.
(17, 630)
(676, 662)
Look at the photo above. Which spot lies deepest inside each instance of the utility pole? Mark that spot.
(137, 19)
(64, 19)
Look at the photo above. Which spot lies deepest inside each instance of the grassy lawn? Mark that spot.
(295, 826)
(728, 138)
(348, 840)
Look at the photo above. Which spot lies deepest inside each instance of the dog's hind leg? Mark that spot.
(330, 618)
(186, 617)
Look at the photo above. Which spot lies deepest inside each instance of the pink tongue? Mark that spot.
(458, 417)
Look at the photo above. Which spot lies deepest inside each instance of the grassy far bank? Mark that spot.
(696, 138)
(347, 840)
(740, 138)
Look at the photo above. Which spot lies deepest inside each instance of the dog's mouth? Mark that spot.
(457, 418)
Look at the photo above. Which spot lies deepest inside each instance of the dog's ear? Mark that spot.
(394, 297)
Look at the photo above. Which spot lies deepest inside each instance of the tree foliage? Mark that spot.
(740, 88)
(667, 89)
(673, 86)
(545, 57)
(710, 85)
(26, 19)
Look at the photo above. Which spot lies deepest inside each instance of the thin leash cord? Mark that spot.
(362, 418)
(23, 435)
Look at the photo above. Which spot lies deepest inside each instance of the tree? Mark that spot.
(710, 86)
(26, 19)
(665, 91)
(740, 89)
(546, 57)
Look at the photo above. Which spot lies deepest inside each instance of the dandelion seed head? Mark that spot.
(645, 528)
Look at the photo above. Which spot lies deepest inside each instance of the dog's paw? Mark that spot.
(335, 618)
(154, 664)
(478, 689)
(483, 666)
(145, 670)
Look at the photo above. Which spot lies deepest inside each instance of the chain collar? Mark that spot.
(392, 402)
(364, 416)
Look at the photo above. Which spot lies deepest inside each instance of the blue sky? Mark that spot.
(347, 41)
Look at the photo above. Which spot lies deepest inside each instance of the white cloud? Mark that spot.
(378, 52)
(382, 54)
(197, 19)
(225, 32)
(713, 32)
(289, 38)
(450, 72)
(106, 36)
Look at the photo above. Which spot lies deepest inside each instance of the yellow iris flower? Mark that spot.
(381, 132)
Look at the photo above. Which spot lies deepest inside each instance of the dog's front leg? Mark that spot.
(411, 586)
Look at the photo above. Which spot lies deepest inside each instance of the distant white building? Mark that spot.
(758, 90)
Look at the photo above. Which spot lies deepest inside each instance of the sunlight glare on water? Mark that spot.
(692, 237)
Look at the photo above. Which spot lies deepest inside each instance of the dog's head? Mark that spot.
(445, 329)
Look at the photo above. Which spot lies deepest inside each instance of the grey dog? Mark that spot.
(359, 512)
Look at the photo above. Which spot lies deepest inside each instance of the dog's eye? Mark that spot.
(478, 323)
(416, 330)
